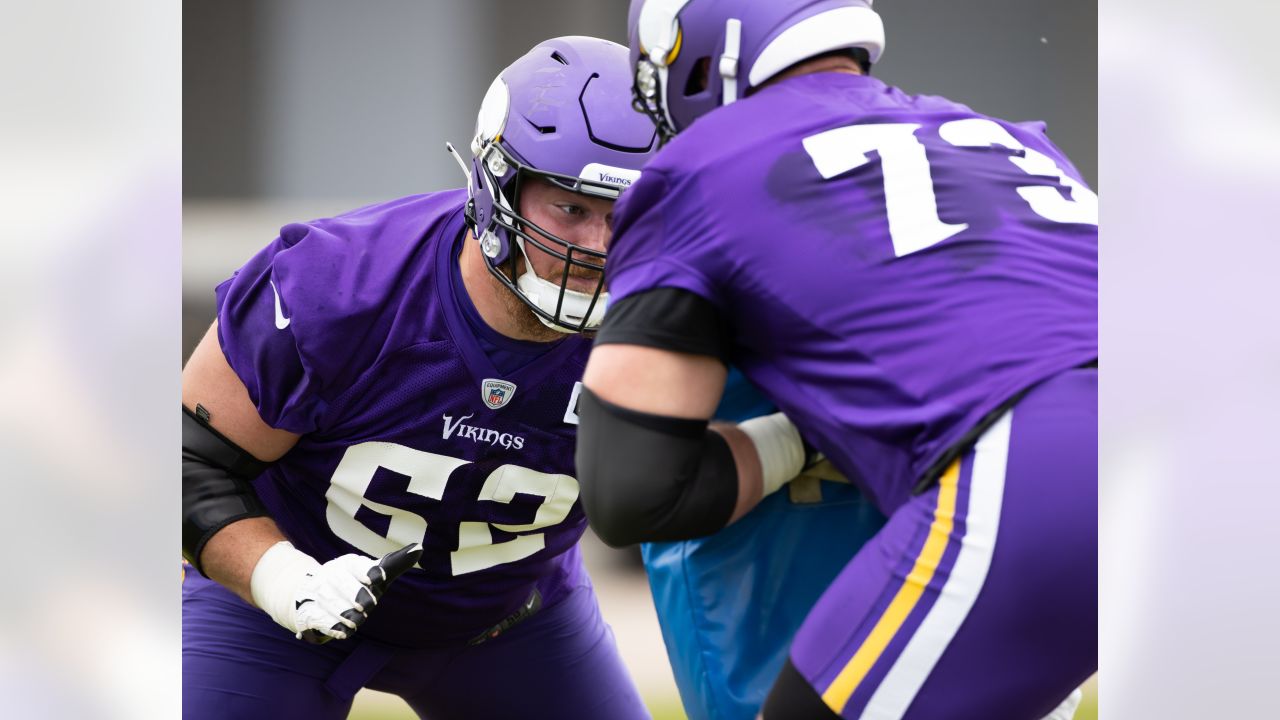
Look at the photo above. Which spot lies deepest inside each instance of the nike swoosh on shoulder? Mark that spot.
(282, 322)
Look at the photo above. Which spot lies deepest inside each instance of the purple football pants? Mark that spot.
(561, 662)
(978, 599)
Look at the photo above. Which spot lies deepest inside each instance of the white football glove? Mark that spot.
(321, 602)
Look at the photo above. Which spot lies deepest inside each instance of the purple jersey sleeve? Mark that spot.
(669, 240)
(299, 323)
(260, 341)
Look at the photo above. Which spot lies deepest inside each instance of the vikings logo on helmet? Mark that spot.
(689, 57)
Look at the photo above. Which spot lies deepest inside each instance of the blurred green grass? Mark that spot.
(664, 708)
(1089, 705)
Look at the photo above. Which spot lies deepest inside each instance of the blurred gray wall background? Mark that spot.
(326, 98)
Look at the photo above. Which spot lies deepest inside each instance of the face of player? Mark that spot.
(584, 221)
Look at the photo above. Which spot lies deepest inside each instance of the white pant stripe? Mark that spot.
(982, 521)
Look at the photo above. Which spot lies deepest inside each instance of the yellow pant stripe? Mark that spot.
(842, 688)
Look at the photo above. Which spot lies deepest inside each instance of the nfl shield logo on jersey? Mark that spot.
(497, 393)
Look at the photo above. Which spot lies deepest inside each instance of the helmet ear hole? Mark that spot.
(698, 77)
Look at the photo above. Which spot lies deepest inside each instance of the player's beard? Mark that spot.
(527, 322)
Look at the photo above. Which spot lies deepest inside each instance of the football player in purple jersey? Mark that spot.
(378, 432)
(915, 285)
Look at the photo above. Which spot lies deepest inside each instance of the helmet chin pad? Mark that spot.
(573, 308)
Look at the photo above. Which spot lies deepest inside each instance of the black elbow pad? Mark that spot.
(651, 478)
(217, 487)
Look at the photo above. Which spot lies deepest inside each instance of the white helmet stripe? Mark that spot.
(831, 30)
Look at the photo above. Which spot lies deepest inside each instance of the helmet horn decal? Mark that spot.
(675, 49)
(662, 37)
(492, 117)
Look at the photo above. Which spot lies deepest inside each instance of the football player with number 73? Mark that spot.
(914, 284)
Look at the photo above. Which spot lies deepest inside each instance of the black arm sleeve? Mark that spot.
(668, 319)
(216, 485)
(651, 478)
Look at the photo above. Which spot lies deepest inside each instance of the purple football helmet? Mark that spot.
(736, 44)
(560, 113)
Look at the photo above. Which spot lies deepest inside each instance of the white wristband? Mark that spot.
(779, 447)
(275, 581)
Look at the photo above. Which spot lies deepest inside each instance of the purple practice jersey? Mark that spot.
(351, 332)
(893, 267)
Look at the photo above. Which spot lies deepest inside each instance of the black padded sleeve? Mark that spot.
(668, 319)
(217, 487)
(651, 478)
